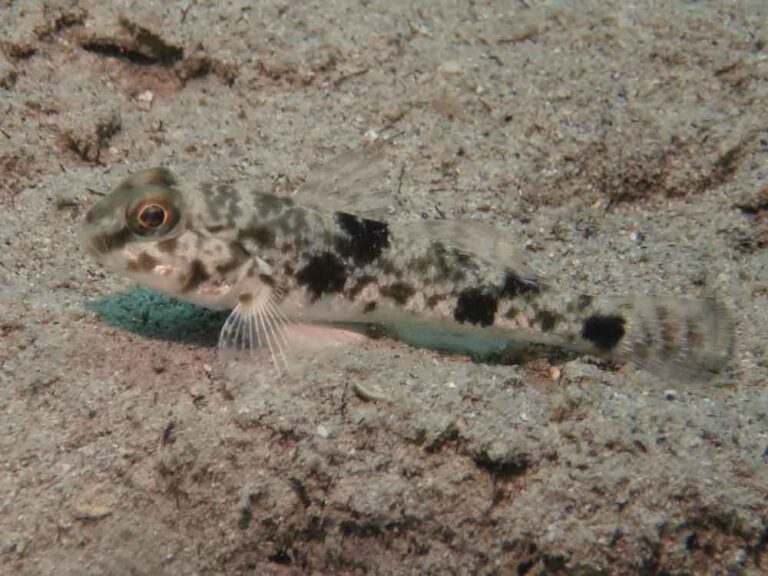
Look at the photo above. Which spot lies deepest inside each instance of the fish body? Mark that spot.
(274, 261)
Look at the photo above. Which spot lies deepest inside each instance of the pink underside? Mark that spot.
(310, 337)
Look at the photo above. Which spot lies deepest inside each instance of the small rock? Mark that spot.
(76, 313)
(368, 394)
(371, 135)
(145, 99)
(322, 431)
(8, 74)
(17, 546)
(66, 198)
(450, 69)
(92, 512)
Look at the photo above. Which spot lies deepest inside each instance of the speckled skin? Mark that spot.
(224, 246)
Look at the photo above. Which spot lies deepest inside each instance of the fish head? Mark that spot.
(151, 231)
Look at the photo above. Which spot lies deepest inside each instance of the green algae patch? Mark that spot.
(155, 315)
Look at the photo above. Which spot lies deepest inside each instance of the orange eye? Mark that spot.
(152, 216)
(152, 211)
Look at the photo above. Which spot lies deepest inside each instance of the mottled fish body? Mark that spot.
(273, 260)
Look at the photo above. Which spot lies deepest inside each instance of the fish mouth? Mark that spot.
(88, 241)
(85, 239)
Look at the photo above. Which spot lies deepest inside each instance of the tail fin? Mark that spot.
(673, 337)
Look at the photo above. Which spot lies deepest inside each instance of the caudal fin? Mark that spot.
(673, 337)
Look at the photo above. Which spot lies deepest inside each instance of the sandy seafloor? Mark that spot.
(622, 146)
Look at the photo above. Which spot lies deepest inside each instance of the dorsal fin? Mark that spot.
(478, 239)
(348, 182)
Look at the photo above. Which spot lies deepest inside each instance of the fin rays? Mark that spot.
(681, 338)
(348, 181)
(257, 324)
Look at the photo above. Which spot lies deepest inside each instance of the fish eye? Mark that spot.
(152, 216)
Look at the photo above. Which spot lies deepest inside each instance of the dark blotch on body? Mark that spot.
(366, 238)
(270, 205)
(400, 292)
(369, 307)
(514, 285)
(197, 275)
(267, 279)
(604, 332)
(262, 235)
(324, 274)
(227, 267)
(144, 263)
(546, 320)
(580, 303)
(441, 264)
(167, 246)
(583, 302)
(245, 298)
(476, 306)
(221, 200)
(113, 241)
(359, 284)
(434, 300)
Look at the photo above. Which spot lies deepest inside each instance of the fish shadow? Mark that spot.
(160, 317)
(154, 315)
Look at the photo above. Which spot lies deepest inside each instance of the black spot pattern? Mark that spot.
(112, 241)
(227, 267)
(514, 285)
(197, 275)
(547, 320)
(434, 300)
(222, 202)
(262, 235)
(476, 306)
(167, 246)
(583, 302)
(267, 279)
(366, 238)
(323, 274)
(144, 263)
(369, 307)
(605, 332)
(359, 284)
(270, 205)
(400, 292)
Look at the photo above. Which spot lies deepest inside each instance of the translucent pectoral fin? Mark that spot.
(255, 325)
